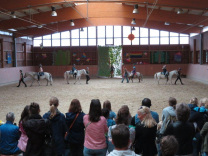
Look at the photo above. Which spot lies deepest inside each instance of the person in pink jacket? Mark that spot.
(95, 130)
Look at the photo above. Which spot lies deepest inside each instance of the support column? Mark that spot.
(201, 48)
(14, 50)
(194, 53)
(2, 53)
(25, 53)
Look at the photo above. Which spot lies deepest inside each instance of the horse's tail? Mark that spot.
(141, 76)
(155, 76)
(50, 78)
(65, 75)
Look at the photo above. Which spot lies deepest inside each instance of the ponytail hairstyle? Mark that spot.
(54, 102)
(148, 120)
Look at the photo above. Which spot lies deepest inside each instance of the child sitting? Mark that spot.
(107, 104)
(120, 139)
(105, 113)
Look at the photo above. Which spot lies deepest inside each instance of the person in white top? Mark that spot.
(121, 141)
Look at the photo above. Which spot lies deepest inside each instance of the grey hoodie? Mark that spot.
(123, 153)
(168, 111)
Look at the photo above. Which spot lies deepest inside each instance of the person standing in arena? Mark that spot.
(87, 76)
(179, 76)
(21, 79)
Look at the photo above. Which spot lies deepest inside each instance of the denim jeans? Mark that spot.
(94, 152)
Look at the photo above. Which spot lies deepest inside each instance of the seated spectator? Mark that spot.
(204, 135)
(9, 135)
(35, 128)
(182, 129)
(107, 104)
(75, 128)
(120, 139)
(123, 117)
(57, 129)
(169, 145)
(145, 133)
(95, 130)
(168, 114)
(22, 143)
(145, 102)
(105, 113)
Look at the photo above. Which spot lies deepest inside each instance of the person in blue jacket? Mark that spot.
(9, 136)
(57, 129)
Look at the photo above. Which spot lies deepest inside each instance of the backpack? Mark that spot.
(171, 119)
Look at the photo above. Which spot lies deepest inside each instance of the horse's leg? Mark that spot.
(47, 82)
(158, 80)
(75, 80)
(32, 82)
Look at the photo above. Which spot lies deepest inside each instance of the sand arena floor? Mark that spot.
(13, 99)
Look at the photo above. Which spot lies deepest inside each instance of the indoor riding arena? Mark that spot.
(108, 41)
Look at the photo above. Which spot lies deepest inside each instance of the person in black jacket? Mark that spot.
(179, 76)
(145, 133)
(182, 129)
(35, 128)
(75, 128)
(57, 129)
(21, 79)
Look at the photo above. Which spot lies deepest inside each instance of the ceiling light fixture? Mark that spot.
(133, 21)
(53, 13)
(72, 23)
(166, 23)
(40, 26)
(136, 11)
(13, 15)
(180, 11)
(133, 28)
(81, 29)
(12, 29)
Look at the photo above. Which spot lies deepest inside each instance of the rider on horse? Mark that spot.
(73, 69)
(165, 71)
(40, 73)
(112, 71)
(133, 71)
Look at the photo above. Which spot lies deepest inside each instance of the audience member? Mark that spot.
(145, 102)
(22, 143)
(57, 129)
(145, 133)
(197, 119)
(107, 104)
(122, 118)
(95, 129)
(75, 128)
(120, 139)
(9, 135)
(182, 129)
(169, 145)
(204, 134)
(168, 114)
(105, 113)
(35, 128)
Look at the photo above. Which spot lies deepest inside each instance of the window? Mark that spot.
(101, 31)
(174, 38)
(91, 32)
(56, 39)
(47, 41)
(164, 37)
(65, 34)
(184, 39)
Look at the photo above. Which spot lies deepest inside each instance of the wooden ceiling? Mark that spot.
(152, 14)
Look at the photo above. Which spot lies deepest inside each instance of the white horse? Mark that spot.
(69, 74)
(159, 76)
(79, 74)
(34, 76)
(137, 74)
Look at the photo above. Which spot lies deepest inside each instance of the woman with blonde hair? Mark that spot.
(145, 133)
(57, 129)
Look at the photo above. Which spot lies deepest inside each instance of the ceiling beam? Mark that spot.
(102, 10)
